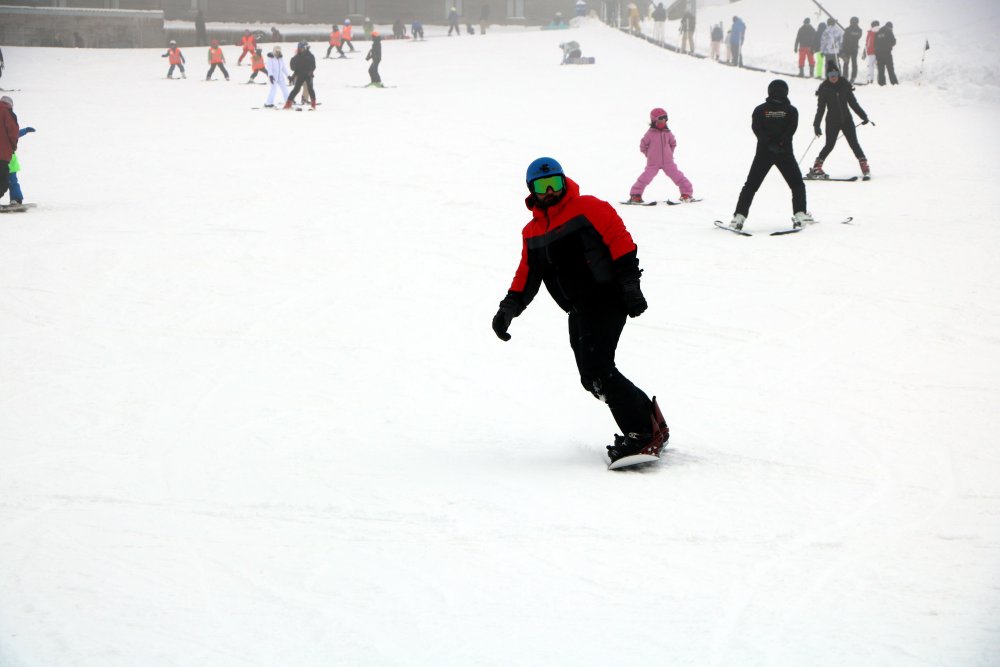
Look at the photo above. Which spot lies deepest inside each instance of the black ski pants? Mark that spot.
(850, 133)
(332, 47)
(373, 70)
(170, 72)
(594, 335)
(884, 63)
(849, 59)
(300, 81)
(762, 163)
(211, 71)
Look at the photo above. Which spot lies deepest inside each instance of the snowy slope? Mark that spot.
(252, 411)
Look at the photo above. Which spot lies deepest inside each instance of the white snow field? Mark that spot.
(252, 412)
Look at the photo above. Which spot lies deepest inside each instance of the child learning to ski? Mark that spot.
(257, 63)
(176, 59)
(658, 146)
(216, 58)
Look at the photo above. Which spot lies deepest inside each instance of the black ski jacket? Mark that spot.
(303, 63)
(805, 38)
(884, 41)
(852, 37)
(837, 99)
(774, 123)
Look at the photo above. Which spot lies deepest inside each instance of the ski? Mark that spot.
(721, 225)
(638, 203)
(671, 202)
(841, 180)
(13, 208)
(794, 230)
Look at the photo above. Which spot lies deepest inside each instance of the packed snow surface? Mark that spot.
(252, 411)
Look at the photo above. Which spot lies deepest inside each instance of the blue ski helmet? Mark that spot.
(543, 166)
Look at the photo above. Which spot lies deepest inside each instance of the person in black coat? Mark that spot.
(375, 55)
(774, 123)
(835, 98)
(884, 41)
(849, 48)
(805, 40)
(303, 65)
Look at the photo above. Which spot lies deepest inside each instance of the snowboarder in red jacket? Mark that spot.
(580, 249)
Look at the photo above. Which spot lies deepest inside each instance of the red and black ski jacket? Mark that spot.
(579, 248)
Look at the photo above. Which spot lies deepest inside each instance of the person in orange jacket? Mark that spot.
(336, 42)
(176, 60)
(348, 33)
(257, 62)
(249, 46)
(216, 59)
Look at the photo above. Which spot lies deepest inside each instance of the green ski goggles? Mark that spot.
(541, 185)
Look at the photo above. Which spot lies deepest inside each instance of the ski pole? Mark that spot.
(871, 122)
(799, 163)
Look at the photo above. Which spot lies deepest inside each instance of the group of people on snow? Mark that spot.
(830, 46)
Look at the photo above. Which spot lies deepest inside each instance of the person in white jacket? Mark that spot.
(278, 74)
(830, 44)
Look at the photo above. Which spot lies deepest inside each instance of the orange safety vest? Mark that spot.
(335, 39)
(249, 43)
(258, 63)
(174, 56)
(348, 29)
(215, 55)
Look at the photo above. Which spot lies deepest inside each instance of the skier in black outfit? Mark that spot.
(884, 41)
(849, 48)
(375, 55)
(835, 96)
(774, 123)
(303, 65)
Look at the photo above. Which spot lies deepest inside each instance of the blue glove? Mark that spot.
(25, 131)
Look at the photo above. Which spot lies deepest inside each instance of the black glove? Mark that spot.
(510, 308)
(635, 302)
(864, 121)
(819, 132)
(271, 78)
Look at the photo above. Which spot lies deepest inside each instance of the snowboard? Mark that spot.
(13, 208)
(651, 452)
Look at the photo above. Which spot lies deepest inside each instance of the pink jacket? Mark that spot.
(658, 147)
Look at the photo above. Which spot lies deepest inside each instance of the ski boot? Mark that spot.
(866, 172)
(635, 199)
(801, 218)
(737, 221)
(817, 173)
(288, 104)
(686, 199)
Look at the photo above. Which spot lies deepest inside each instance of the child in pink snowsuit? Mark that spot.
(658, 146)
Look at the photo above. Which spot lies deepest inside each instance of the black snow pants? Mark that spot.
(850, 133)
(300, 81)
(884, 63)
(762, 163)
(593, 335)
(211, 71)
(373, 70)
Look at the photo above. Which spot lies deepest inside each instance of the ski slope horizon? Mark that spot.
(252, 411)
